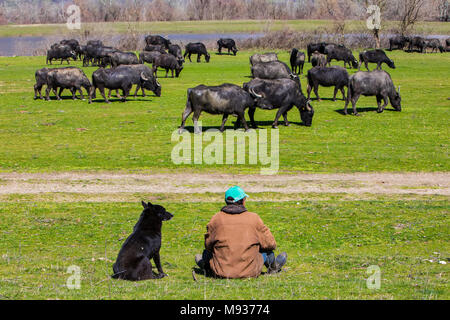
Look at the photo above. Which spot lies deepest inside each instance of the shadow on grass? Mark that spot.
(360, 110)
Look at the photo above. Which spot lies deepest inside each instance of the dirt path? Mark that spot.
(109, 183)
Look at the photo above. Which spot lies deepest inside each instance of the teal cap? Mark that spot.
(236, 193)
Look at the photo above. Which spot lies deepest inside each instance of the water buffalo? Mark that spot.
(273, 70)
(417, 42)
(282, 94)
(196, 48)
(340, 53)
(118, 78)
(149, 57)
(175, 50)
(98, 55)
(265, 57)
(158, 48)
(71, 78)
(157, 40)
(315, 47)
(297, 60)
(447, 44)
(374, 56)
(318, 60)
(167, 62)
(398, 42)
(119, 58)
(373, 83)
(136, 71)
(335, 76)
(229, 44)
(41, 80)
(226, 99)
(434, 44)
(62, 52)
(73, 44)
(95, 43)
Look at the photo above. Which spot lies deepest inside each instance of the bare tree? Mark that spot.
(410, 13)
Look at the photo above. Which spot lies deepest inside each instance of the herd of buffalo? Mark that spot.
(275, 85)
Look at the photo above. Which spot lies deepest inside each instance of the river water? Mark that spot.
(28, 46)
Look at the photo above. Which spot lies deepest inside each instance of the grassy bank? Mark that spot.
(330, 245)
(214, 26)
(136, 136)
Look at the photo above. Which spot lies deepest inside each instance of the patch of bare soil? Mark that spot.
(111, 183)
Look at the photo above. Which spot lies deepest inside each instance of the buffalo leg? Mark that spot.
(354, 100)
(102, 92)
(286, 122)
(198, 57)
(224, 120)
(195, 119)
(81, 93)
(251, 115)
(343, 93)
(187, 112)
(308, 91)
(316, 91)
(367, 65)
(385, 99)
(278, 115)
(241, 119)
(58, 96)
(335, 93)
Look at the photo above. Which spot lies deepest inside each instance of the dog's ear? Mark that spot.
(144, 205)
(149, 205)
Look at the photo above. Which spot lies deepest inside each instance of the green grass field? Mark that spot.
(331, 239)
(330, 245)
(136, 135)
(209, 26)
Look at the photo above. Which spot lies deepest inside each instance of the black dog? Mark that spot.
(133, 262)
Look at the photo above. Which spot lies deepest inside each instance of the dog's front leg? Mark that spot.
(157, 260)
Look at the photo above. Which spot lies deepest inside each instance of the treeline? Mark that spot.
(54, 11)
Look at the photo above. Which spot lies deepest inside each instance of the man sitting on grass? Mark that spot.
(237, 242)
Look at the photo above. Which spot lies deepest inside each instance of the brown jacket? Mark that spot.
(235, 237)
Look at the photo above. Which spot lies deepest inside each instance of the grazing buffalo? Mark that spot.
(119, 58)
(434, 44)
(265, 57)
(229, 44)
(73, 44)
(97, 55)
(374, 83)
(149, 57)
(158, 48)
(62, 52)
(157, 40)
(136, 71)
(318, 60)
(340, 53)
(175, 50)
(398, 42)
(417, 43)
(41, 80)
(374, 56)
(297, 61)
(196, 48)
(447, 45)
(63, 78)
(335, 76)
(226, 99)
(119, 78)
(281, 94)
(95, 43)
(167, 62)
(315, 47)
(273, 70)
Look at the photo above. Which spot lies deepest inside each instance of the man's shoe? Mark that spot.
(199, 261)
(279, 262)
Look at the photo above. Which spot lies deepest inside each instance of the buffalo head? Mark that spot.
(150, 83)
(307, 113)
(396, 100)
